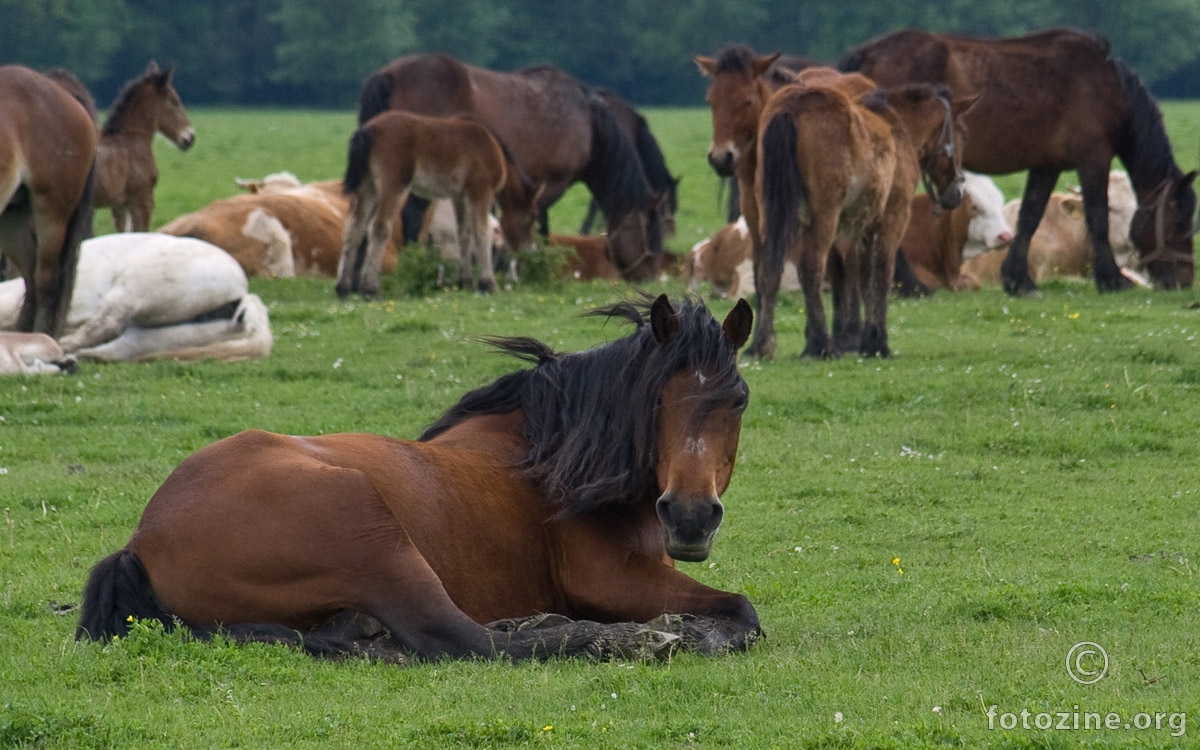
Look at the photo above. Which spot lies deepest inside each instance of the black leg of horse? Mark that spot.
(812, 275)
(905, 281)
(847, 308)
(878, 268)
(543, 223)
(1093, 180)
(1014, 272)
(767, 274)
(412, 218)
(589, 219)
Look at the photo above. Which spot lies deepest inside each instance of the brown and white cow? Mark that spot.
(724, 261)
(1061, 247)
(937, 240)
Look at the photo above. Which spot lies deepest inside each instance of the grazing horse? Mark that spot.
(458, 158)
(835, 182)
(559, 132)
(126, 172)
(660, 179)
(569, 487)
(1056, 100)
(47, 153)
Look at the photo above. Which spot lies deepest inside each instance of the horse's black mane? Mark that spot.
(614, 173)
(654, 163)
(123, 100)
(1143, 146)
(591, 417)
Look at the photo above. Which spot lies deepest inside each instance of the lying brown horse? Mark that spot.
(1056, 100)
(837, 173)
(126, 172)
(566, 488)
(559, 132)
(47, 150)
(457, 158)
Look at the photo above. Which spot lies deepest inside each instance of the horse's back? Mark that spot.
(318, 508)
(47, 137)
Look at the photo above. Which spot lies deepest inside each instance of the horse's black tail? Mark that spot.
(79, 228)
(117, 592)
(375, 96)
(357, 160)
(782, 191)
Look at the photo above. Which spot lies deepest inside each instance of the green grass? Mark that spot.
(1032, 464)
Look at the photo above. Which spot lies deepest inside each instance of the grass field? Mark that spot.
(925, 538)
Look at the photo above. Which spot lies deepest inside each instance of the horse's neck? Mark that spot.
(132, 119)
(497, 434)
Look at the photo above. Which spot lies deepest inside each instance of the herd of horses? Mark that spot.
(605, 466)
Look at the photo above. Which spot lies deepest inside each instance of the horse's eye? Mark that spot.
(740, 403)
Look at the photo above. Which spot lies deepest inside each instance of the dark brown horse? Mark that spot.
(126, 172)
(836, 177)
(395, 154)
(559, 132)
(47, 149)
(567, 488)
(1056, 100)
(654, 163)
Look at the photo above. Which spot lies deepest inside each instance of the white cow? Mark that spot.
(148, 295)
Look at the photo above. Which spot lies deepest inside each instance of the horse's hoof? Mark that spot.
(1116, 283)
(1023, 287)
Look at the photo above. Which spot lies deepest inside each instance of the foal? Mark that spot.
(396, 153)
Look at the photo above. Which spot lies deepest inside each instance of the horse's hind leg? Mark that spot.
(478, 226)
(354, 238)
(878, 262)
(379, 233)
(844, 276)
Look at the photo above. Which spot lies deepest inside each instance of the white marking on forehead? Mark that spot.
(701, 378)
(695, 446)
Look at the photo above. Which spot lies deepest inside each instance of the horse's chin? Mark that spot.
(689, 552)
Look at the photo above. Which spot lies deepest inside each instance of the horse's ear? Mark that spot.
(152, 67)
(1186, 181)
(761, 65)
(707, 65)
(963, 104)
(738, 323)
(250, 186)
(664, 321)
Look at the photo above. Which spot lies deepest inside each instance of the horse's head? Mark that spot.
(170, 117)
(736, 94)
(941, 153)
(519, 212)
(636, 240)
(1162, 230)
(699, 421)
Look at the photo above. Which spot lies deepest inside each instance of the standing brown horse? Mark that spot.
(47, 148)
(397, 153)
(567, 488)
(559, 132)
(837, 173)
(1056, 100)
(126, 172)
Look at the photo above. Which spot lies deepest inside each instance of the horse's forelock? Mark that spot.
(735, 58)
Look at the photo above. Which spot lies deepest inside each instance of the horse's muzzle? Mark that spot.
(186, 139)
(952, 196)
(689, 525)
(722, 163)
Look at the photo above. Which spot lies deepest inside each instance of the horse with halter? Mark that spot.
(660, 179)
(837, 173)
(126, 172)
(395, 154)
(47, 154)
(1056, 100)
(559, 132)
(569, 487)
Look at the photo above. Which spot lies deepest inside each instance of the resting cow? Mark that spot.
(32, 354)
(724, 261)
(1061, 247)
(936, 241)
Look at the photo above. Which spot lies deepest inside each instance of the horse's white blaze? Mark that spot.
(695, 446)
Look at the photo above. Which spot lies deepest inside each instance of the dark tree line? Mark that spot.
(316, 52)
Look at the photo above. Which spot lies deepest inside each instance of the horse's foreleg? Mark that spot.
(1014, 272)
(485, 274)
(140, 211)
(1093, 180)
